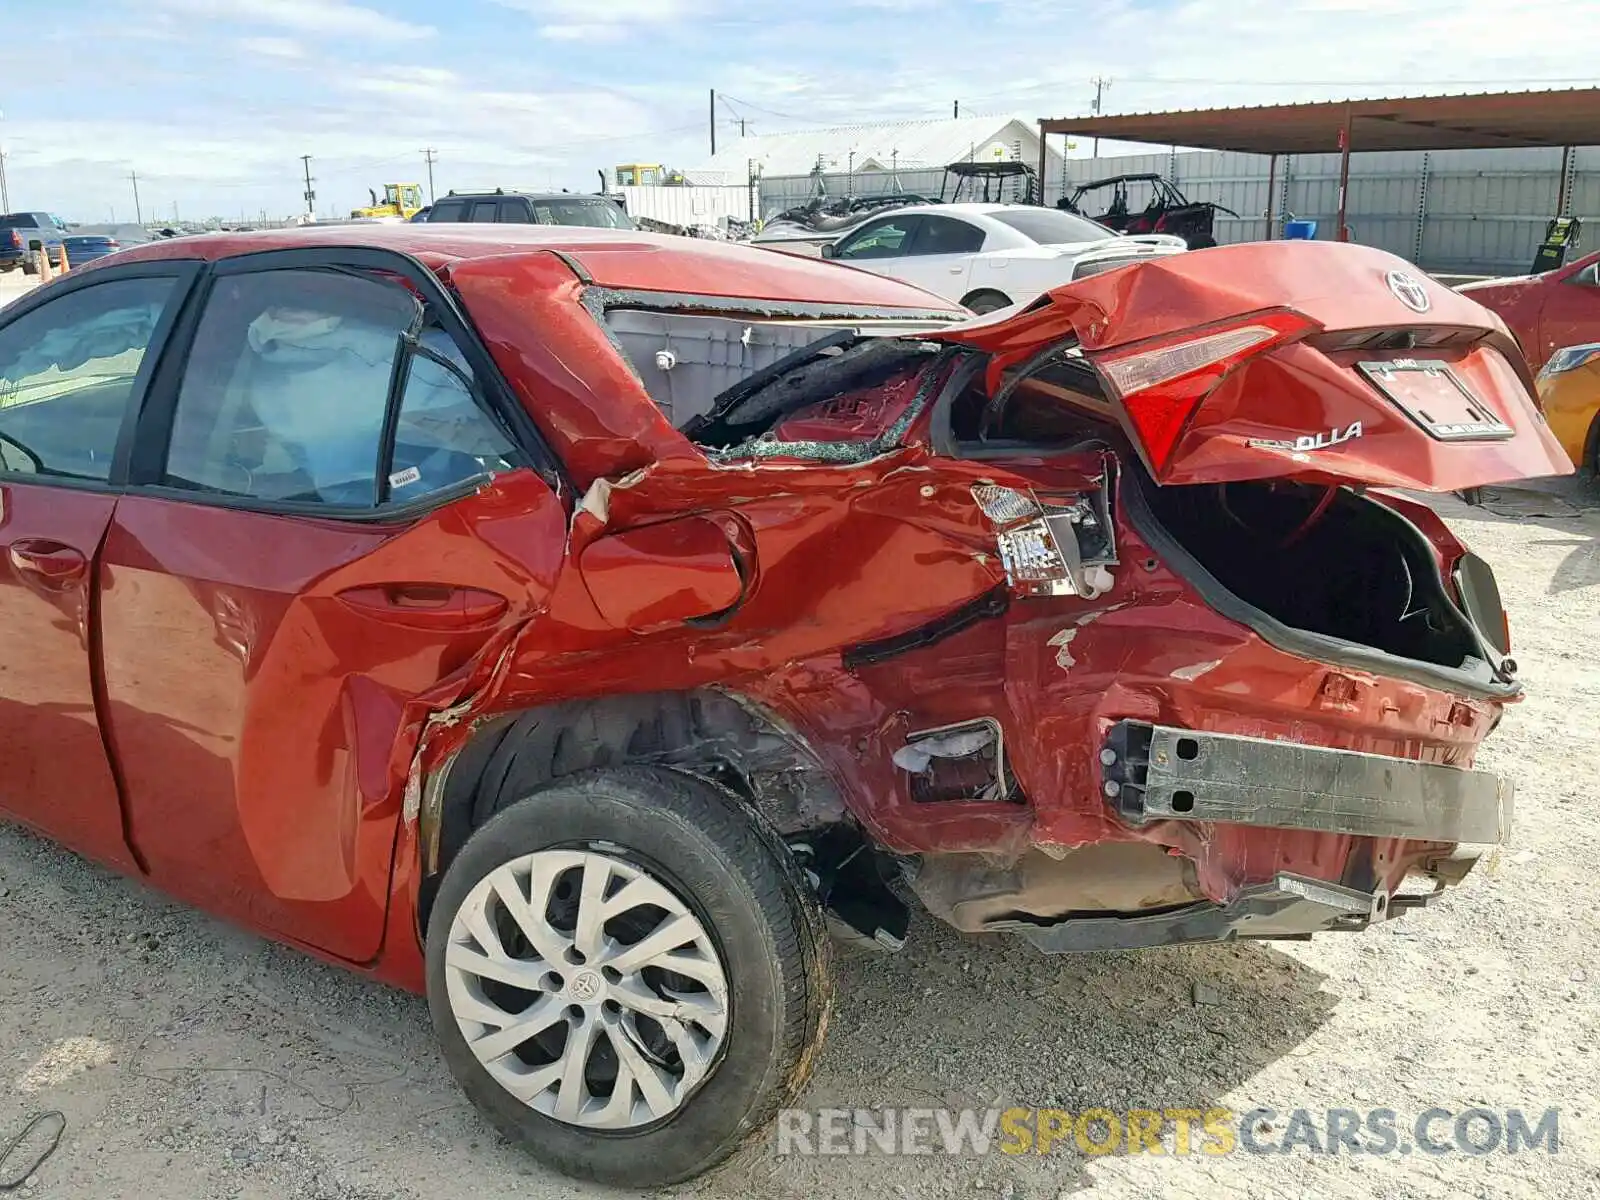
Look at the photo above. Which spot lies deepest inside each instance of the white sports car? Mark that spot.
(989, 256)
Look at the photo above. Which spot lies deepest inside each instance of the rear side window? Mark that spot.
(67, 373)
(448, 210)
(485, 210)
(288, 386)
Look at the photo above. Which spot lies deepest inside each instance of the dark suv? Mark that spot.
(532, 208)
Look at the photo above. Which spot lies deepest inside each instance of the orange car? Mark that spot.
(1569, 385)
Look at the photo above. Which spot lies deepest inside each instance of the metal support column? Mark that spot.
(1564, 188)
(1043, 158)
(1422, 211)
(1283, 188)
(1344, 175)
(1272, 183)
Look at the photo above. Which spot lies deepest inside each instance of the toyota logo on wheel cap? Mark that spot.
(586, 985)
(1409, 290)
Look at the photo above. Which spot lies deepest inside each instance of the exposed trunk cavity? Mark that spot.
(1328, 562)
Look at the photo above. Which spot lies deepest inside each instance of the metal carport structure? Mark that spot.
(1481, 121)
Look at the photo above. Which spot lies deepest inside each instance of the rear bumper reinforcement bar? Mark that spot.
(1290, 907)
(1157, 773)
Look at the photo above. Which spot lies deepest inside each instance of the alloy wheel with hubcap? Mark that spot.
(628, 973)
(586, 988)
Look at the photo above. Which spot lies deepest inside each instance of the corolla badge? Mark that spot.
(1409, 290)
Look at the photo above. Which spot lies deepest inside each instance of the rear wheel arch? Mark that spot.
(722, 738)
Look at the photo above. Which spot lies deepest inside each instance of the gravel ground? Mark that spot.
(194, 1061)
(14, 284)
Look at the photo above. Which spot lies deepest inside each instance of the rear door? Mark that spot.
(75, 363)
(1322, 362)
(333, 513)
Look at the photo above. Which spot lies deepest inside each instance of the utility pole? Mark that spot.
(5, 192)
(957, 112)
(1100, 86)
(713, 122)
(311, 196)
(427, 154)
(138, 213)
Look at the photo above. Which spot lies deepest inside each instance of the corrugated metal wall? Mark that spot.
(1457, 211)
(780, 192)
(1467, 211)
(688, 205)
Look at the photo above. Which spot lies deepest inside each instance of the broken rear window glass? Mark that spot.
(688, 361)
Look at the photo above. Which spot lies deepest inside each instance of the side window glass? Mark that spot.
(442, 436)
(67, 374)
(889, 240)
(287, 386)
(484, 210)
(447, 210)
(945, 235)
(514, 211)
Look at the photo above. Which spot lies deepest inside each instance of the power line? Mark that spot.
(1038, 91)
(768, 111)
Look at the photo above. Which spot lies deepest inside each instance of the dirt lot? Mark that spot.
(14, 284)
(195, 1061)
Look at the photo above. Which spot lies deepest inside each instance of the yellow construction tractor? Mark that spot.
(402, 200)
(648, 175)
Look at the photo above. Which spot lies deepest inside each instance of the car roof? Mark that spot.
(966, 208)
(525, 195)
(612, 258)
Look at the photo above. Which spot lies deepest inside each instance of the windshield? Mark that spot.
(1051, 227)
(597, 214)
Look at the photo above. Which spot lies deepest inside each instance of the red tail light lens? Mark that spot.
(16, 239)
(1161, 386)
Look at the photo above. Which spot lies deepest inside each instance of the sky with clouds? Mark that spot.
(213, 102)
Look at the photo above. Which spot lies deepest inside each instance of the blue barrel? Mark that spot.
(1299, 231)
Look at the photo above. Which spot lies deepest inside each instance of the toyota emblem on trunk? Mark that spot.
(1409, 291)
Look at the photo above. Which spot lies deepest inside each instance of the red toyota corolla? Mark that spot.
(576, 625)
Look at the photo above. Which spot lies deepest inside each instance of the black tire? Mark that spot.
(987, 301)
(708, 847)
(28, 268)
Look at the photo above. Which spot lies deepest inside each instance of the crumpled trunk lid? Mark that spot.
(1318, 362)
